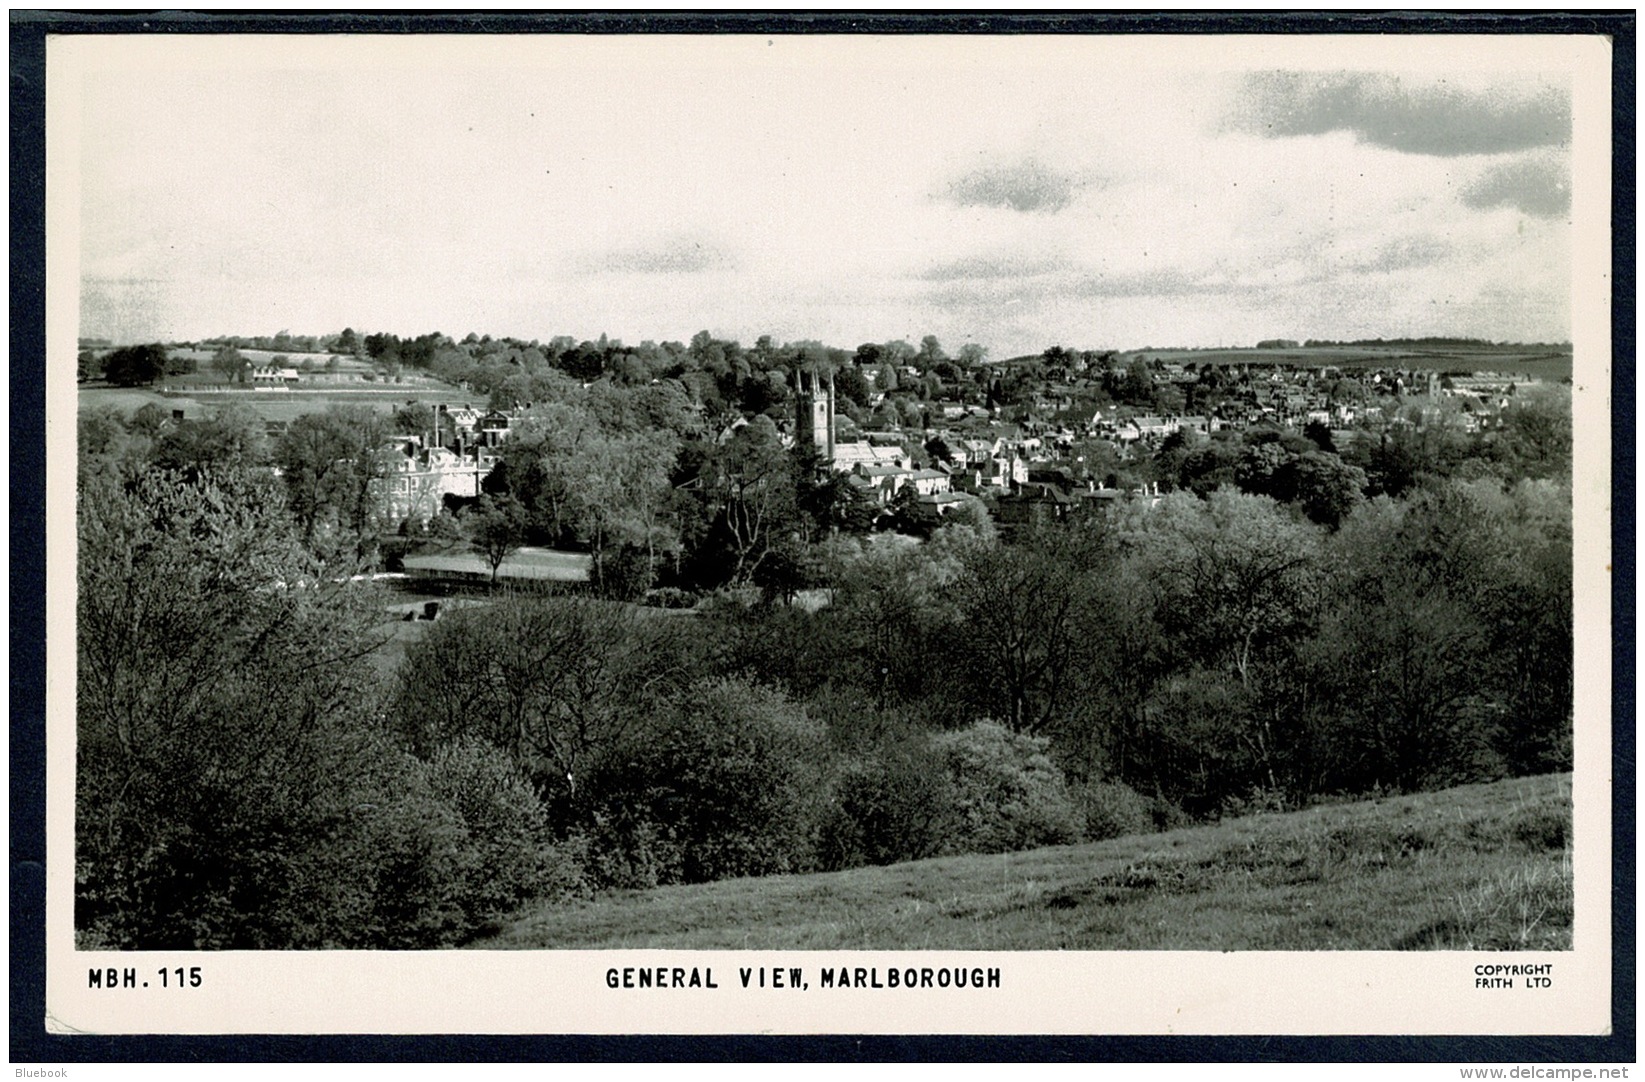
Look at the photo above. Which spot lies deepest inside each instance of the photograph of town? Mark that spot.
(821, 493)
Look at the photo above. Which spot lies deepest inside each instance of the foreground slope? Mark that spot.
(1472, 868)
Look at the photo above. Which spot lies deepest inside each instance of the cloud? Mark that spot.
(1539, 187)
(984, 266)
(1028, 186)
(680, 255)
(1063, 285)
(1437, 119)
(1152, 283)
(1403, 254)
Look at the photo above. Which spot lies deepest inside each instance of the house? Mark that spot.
(881, 483)
(931, 509)
(456, 426)
(1031, 505)
(1476, 414)
(1001, 471)
(929, 482)
(976, 452)
(420, 478)
(270, 376)
(491, 428)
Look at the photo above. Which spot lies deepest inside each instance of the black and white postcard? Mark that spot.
(829, 533)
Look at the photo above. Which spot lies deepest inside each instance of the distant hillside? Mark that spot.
(1549, 361)
(1538, 362)
(1480, 867)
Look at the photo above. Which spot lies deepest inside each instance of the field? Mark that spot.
(1483, 867)
(293, 358)
(469, 587)
(1547, 364)
(273, 405)
(549, 565)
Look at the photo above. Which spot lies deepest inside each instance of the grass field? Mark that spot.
(1537, 363)
(1483, 867)
(273, 405)
(528, 568)
(525, 563)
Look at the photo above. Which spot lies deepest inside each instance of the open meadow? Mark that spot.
(271, 405)
(1479, 867)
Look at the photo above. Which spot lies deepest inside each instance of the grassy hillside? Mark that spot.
(1473, 868)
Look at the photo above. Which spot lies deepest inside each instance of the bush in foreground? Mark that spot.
(725, 783)
(889, 806)
(1113, 809)
(1007, 794)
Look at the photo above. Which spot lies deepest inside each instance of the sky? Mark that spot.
(1012, 192)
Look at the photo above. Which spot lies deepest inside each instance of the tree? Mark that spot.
(1457, 632)
(234, 789)
(853, 386)
(1006, 792)
(931, 352)
(230, 363)
(496, 528)
(1234, 575)
(556, 682)
(133, 366)
(537, 464)
(1534, 440)
(1136, 388)
(1321, 484)
(749, 482)
(890, 806)
(334, 464)
(1027, 607)
(230, 437)
(103, 435)
(414, 419)
(621, 489)
(1319, 433)
(1326, 488)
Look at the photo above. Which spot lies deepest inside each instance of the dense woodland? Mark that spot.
(263, 762)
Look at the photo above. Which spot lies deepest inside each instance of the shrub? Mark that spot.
(623, 573)
(1113, 809)
(627, 851)
(1257, 800)
(670, 597)
(1007, 794)
(503, 857)
(727, 777)
(889, 807)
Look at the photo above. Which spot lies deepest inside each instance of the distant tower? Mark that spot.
(814, 413)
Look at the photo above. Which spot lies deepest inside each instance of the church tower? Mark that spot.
(814, 413)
